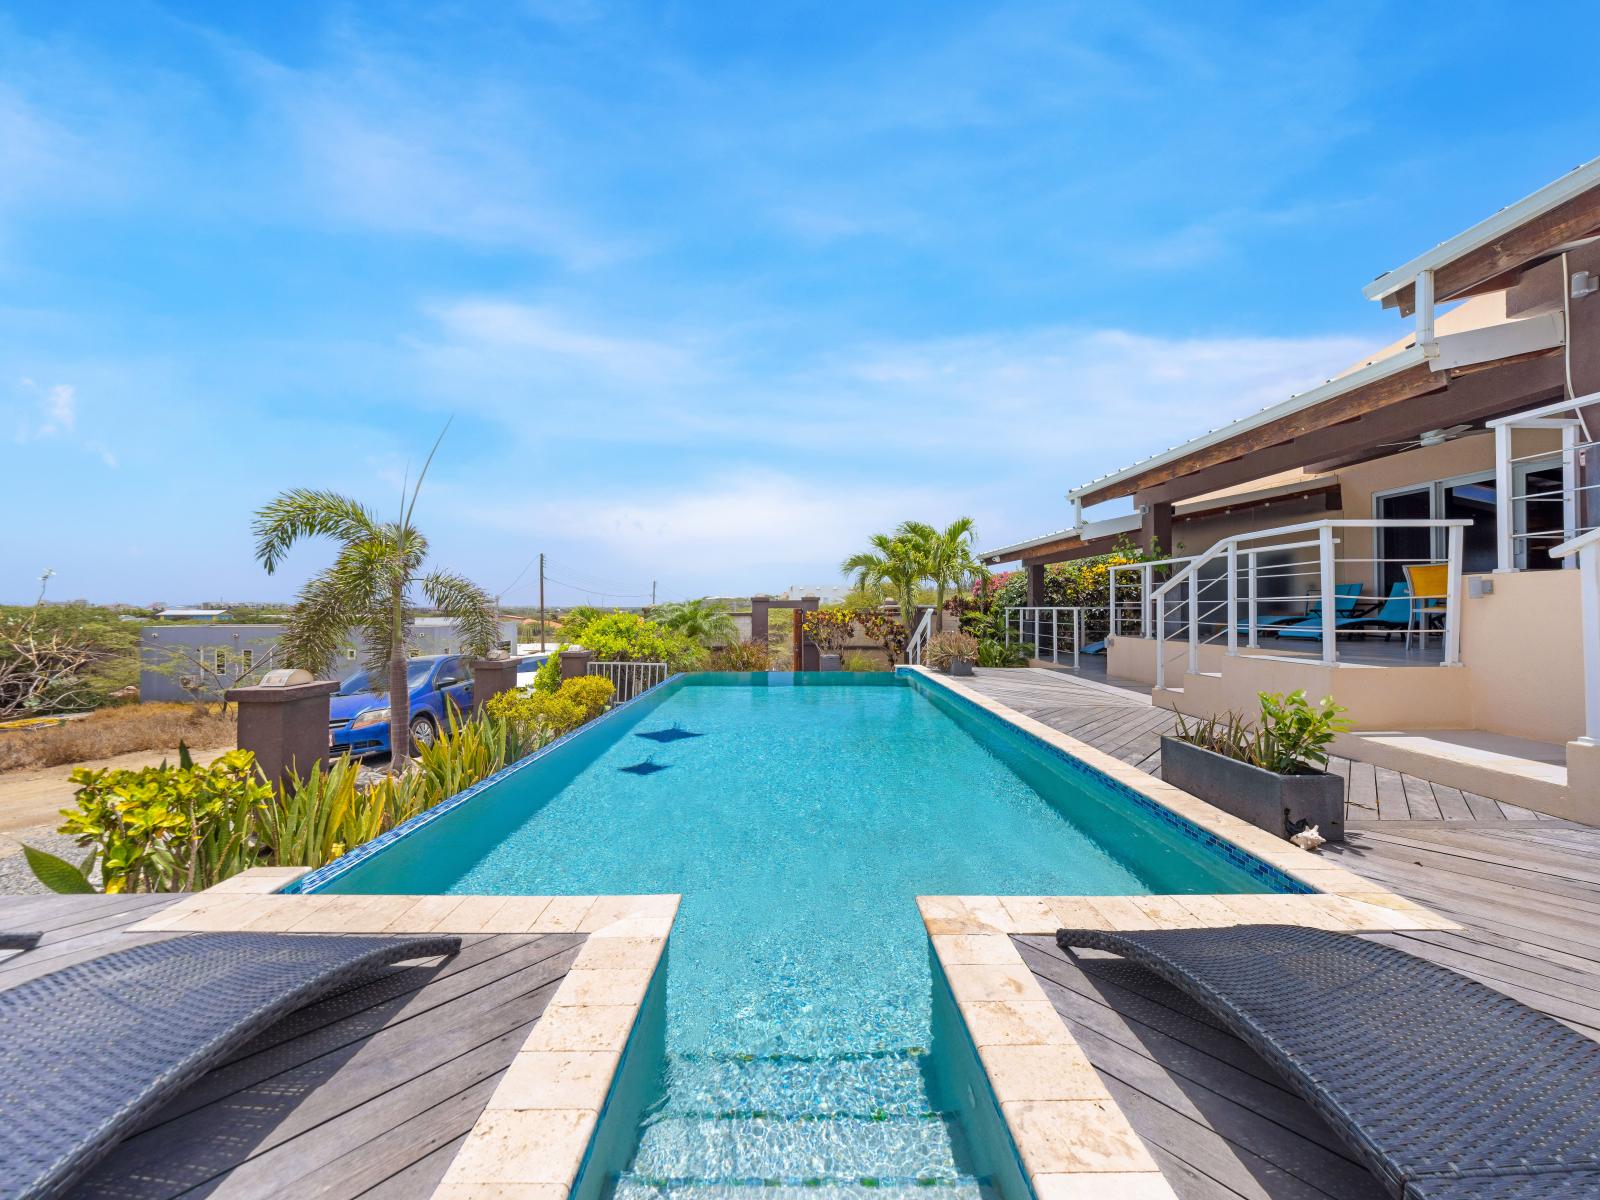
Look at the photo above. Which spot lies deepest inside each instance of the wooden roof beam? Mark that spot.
(1493, 266)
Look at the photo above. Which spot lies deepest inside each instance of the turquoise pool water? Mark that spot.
(799, 823)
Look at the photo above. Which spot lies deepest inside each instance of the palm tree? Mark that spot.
(947, 558)
(371, 587)
(704, 620)
(895, 561)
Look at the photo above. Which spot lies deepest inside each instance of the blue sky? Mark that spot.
(710, 290)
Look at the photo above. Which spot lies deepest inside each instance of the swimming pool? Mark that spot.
(800, 816)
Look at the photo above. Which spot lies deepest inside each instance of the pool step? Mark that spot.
(869, 1085)
(908, 1148)
(633, 1187)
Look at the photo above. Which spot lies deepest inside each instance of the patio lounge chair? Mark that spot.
(1392, 617)
(1347, 594)
(1445, 1089)
(89, 1051)
(19, 941)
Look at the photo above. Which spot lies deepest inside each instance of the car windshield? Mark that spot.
(416, 671)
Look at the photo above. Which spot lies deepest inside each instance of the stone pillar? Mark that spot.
(575, 663)
(490, 677)
(285, 727)
(758, 619)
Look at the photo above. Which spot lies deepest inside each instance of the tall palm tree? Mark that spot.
(895, 561)
(371, 586)
(704, 620)
(947, 558)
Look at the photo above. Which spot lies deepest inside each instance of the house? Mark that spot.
(194, 614)
(182, 662)
(1470, 445)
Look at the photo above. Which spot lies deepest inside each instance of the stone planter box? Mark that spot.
(828, 662)
(1267, 800)
(959, 666)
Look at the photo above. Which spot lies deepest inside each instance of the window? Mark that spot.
(221, 660)
(247, 661)
(1469, 496)
(350, 653)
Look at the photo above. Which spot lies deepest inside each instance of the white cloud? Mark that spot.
(60, 410)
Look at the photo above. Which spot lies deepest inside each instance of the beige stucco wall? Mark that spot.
(1524, 656)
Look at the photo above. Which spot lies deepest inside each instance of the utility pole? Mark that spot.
(652, 593)
(541, 601)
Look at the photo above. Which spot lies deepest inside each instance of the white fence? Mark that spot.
(1217, 598)
(630, 678)
(1540, 501)
(917, 645)
(1129, 589)
(1056, 633)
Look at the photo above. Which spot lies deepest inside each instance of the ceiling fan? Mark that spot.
(1432, 437)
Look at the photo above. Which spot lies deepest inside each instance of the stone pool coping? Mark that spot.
(1074, 1141)
(530, 1140)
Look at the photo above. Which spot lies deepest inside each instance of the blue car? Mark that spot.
(358, 714)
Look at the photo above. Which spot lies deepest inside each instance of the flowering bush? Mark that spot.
(829, 628)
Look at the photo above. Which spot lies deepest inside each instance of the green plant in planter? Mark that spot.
(994, 652)
(943, 648)
(1291, 737)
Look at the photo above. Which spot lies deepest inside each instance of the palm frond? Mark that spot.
(331, 602)
(307, 512)
(468, 605)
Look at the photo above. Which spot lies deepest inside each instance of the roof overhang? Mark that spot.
(1063, 539)
(1401, 376)
(1479, 259)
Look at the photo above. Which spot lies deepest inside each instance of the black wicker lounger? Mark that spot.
(19, 941)
(1446, 1089)
(89, 1051)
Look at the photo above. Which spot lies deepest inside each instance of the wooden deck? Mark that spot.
(1122, 721)
(1216, 1118)
(366, 1093)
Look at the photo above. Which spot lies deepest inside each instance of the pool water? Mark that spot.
(799, 823)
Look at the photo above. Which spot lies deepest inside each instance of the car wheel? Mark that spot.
(423, 730)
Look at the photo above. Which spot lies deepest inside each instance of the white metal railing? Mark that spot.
(629, 678)
(1129, 588)
(917, 644)
(1271, 564)
(1585, 551)
(1055, 633)
(1531, 517)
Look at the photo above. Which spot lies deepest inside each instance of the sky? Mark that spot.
(707, 292)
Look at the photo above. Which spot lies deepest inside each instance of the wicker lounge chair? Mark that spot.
(1446, 1089)
(89, 1051)
(19, 941)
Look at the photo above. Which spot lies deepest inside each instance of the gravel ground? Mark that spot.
(15, 877)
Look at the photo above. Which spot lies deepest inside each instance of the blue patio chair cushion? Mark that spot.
(1391, 616)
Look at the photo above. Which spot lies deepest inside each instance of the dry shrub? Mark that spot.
(121, 730)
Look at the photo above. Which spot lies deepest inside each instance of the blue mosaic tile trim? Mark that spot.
(354, 858)
(1275, 879)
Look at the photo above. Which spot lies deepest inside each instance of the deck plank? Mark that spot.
(367, 1092)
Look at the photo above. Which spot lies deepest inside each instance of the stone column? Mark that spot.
(490, 677)
(759, 628)
(285, 727)
(575, 663)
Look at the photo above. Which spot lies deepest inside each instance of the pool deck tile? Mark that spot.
(576, 1079)
(1071, 1136)
(974, 949)
(1103, 1185)
(523, 1145)
(972, 984)
(501, 1191)
(611, 985)
(1047, 1072)
(1015, 1023)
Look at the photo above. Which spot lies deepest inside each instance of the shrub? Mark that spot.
(628, 637)
(829, 628)
(538, 717)
(950, 645)
(862, 660)
(592, 694)
(167, 828)
(121, 730)
(742, 656)
(1291, 737)
(548, 677)
(993, 652)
